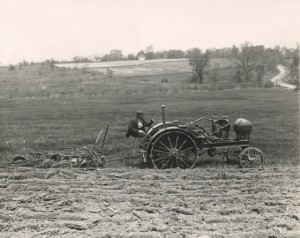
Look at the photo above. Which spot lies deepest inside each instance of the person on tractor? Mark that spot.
(137, 126)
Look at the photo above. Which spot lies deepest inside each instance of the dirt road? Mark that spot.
(149, 203)
(278, 79)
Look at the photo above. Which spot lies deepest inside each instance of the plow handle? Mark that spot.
(96, 142)
(100, 133)
(105, 135)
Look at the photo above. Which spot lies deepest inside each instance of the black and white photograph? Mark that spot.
(150, 118)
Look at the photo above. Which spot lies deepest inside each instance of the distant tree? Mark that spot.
(235, 50)
(199, 62)
(294, 67)
(161, 55)
(149, 56)
(80, 59)
(115, 55)
(245, 59)
(97, 58)
(76, 59)
(105, 58)
(270, 59)
(25, 63)
(221, 53)
(295, 59)
(52, 64)
(11, 67)
(175, 54)
(131, 57)
(213, 77)
(260, 72)
(139, 53)
(237, 78)
(149, 49)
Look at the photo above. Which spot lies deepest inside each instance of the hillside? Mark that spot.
(145, 67)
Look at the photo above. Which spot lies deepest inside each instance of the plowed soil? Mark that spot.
(203, 202)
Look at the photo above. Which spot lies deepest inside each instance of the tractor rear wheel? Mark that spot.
(173, 149)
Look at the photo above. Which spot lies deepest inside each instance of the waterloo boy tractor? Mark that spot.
(176, 145)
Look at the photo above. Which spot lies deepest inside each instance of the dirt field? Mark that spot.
(213, 202)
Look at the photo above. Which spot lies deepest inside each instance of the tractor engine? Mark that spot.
(242, 128)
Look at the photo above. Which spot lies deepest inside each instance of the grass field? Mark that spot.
(41, 108)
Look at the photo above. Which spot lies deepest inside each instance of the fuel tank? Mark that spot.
(242, 127)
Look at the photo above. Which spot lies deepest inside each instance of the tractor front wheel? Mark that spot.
(251, 157)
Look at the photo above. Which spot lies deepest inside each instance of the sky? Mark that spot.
(37, 30)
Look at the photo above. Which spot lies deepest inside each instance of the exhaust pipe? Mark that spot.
(163, 113)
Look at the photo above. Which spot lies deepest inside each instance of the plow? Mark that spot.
(88, 156)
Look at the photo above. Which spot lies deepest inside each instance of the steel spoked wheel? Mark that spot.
(251, 157)
(174, 150)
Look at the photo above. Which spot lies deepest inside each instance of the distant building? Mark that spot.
(142, 57)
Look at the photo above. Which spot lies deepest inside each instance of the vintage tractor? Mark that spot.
(177, 145)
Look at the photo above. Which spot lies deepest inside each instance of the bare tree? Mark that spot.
(199, 61)
(245, 57)
(149, 49)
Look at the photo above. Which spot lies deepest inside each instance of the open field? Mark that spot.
(44, 109)
(212, 202)
(121, 63)
(136, 67)
(146, 67)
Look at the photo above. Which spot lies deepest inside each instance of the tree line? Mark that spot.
(148, 54)
(250, 62)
